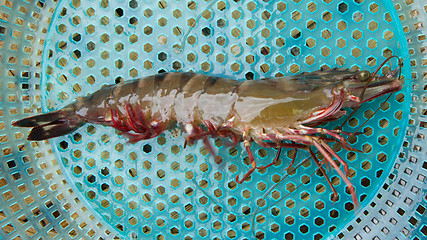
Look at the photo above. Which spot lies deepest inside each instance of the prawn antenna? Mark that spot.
(184, 39)
(370, 117)
(375, 73)
(216, 202)
(258, 211)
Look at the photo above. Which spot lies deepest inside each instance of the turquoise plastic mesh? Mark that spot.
(93, 183)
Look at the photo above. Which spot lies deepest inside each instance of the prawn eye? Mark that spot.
(363, 76)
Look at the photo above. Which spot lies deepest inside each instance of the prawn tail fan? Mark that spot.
(50, 125)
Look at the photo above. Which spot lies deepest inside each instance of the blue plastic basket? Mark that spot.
(93, 184)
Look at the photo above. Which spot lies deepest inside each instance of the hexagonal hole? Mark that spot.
(105, 72)
(290, 187)
(342, 25)
(371, 61)
(296, 15)
(105, 187)
(357, 34)
(310, 60)
(334, 213)
(236, 14)
(77, 37)
(290, 221)
(349, 206)
(265, 15)
(325, 51)
(281, 6)
(305, 196)
(310, 42)
(76, 20)
(206, 31)
(303, 229)
(236, 32)
(77, 54)
(119, 12)
(327, 16)
(311, 7)
(372, 44)
(295, 33)
(320, 188)
(274, 228)
(162, 56)
(235, 67)
(275, 211)
(280, 24)
(77, 170)
(342, 7)
(356, 52)
(280, 42)
(319, 205)
(385, 106)
(357, 16)
(105, 171)
(91, 195)
(265, 33)
(304, 212)
(374, 8)
(62, 28)
(311, 24)
(91, 178)
(265, 68)
(162, 22)
(290, 204)
(133, 21)
(280, 60)
(326, 34)
(373, 26)
(148, 30)
(294, 68)
(295, 51)
(340, 61)
(388, 35)
(341, 43)
(105, 38)
(105, 21)
(366, 165)
(319, 221)
(387, 52)
(265, 50)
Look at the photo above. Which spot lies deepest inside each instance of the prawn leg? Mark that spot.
(303, 130)
(195, 132)
(222, 131)
(253, 163)
(326, 151)
(277, 158)
(134, 120)
(273, 162)
(276, 144)
(333, 134)
(334, 108)
(335, 194)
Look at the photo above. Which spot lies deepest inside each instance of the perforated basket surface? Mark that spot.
(93, 184)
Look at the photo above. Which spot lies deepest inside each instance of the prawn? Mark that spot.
(276, 113)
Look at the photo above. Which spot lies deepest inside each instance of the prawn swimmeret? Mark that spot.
(275, 113)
